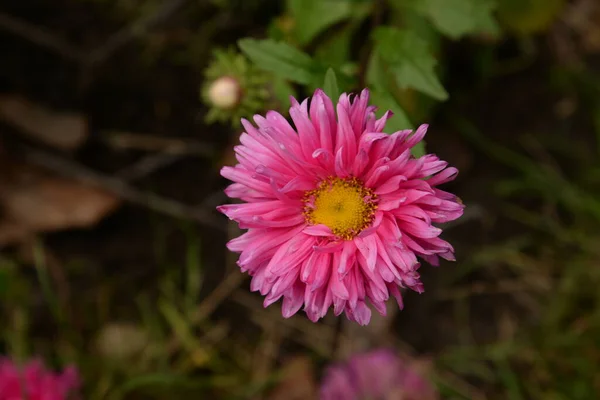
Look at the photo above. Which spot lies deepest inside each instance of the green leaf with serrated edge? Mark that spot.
(330, 86)
(280, 58)
(485, 20)
(421, 25)
(410, 60)
(453, 18)
(312, 17)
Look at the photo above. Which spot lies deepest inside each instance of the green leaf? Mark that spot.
(485, 21)
(410, 61)
(312, 17)
(385, 101)
(457, 18)
(335, 48)
(376, 76)
(453, 18)
(418, 149)
(281, 59)
(334, 51)
(418, 22)
(282, 91)
(399, 121)
(330, 86)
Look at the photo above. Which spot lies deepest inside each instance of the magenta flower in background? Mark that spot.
(377, 375)
(336, 210)
(34, 382)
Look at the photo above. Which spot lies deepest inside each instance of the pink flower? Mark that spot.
(34, 382)
(377, 375)
(336, 210)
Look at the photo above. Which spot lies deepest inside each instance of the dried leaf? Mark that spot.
(62, 130)
(34, 201)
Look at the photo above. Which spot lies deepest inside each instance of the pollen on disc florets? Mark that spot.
(344, 205)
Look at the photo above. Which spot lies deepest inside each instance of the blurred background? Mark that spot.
(116, 116)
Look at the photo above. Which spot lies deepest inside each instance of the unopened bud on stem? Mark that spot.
(225, 92)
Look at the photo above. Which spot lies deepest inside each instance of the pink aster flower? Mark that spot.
(336, 210)
(34, 382)
(377, 375)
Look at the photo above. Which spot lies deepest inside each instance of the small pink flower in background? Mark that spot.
(377, 375)
(34, 382)
(336, 210)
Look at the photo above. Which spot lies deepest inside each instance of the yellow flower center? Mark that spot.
(344, 205)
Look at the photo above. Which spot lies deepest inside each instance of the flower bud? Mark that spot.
(225, 92)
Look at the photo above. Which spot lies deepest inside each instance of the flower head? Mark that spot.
(377, 375)
(34, 382)
(233, 88)
(336, 210)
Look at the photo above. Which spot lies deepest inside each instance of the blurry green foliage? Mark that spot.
(330, 86)
(452, 17)
(409, 60)
(385, 102)
(313, 37)
(457, 18)
(400, 55)
(4, 279)
(554, 355)
(311, 17)
(335, 49)
(282, 59)
(526, 17)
